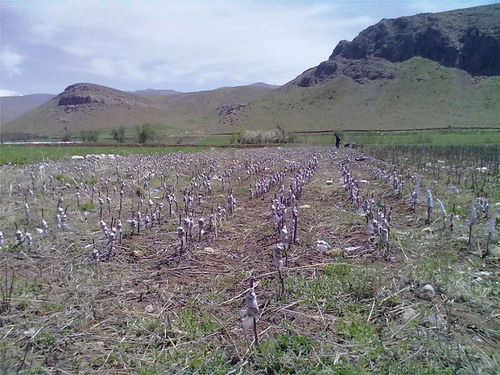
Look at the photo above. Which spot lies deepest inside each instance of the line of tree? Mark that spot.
(144, 133)
(278, 135)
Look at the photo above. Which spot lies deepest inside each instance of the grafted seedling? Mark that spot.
(279, 264)
(443, 211)
(252, 312)
(19, 236)
(430, 205)
(181, 233)
(472, 221)
(201, 226)
(414, 198)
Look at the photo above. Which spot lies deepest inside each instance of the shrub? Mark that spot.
(119, 134)
(259, 137)
(144, 132)
(90, 135)
(278, 135)
(237, 136)
(66, 137)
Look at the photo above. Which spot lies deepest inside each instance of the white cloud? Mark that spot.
(10, 61)
(186, 44)
(425, 6)
(174, 40)
(8, 93)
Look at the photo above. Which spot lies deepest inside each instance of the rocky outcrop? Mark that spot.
(74, 100)
(468, 39)
(88, 96)
(450, 38)
(361, 71)
(480, 52)
(230, 114)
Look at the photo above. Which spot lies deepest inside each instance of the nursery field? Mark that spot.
(293, 260)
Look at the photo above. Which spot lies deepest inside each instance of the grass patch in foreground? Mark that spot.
(21, 154)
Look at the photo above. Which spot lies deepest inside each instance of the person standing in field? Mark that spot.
(337, 140)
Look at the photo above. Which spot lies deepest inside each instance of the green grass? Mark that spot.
(421, 94)
(215, 140)
(427, 137)
(440, 137)
(162, 132)
(20, 154)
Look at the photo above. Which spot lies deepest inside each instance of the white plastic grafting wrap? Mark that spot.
(252, 308)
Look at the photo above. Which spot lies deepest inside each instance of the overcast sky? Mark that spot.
(185, 45)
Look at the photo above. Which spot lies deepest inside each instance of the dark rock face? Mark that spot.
(480, 53)
(91, 97)
(230, 113)
(398, 42)
(74, 100)
(467, 39)
(361, 71)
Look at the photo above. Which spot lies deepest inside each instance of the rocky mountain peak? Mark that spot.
(468, 39)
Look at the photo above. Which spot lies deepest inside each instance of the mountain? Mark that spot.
(12, 107)
(84, 106)
(155, 92)
(467, 39)
(427, 70)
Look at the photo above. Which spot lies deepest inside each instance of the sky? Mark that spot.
(184, 45)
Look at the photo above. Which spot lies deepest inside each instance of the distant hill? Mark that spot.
(428, 70)
(155, 92)
(12, 107)
(265, 85)
(85, 106)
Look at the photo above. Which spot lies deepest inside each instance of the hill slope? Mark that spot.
(12, 107)
(428, 70)
(88, 106)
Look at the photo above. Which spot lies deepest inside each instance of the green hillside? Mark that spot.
(422, 94)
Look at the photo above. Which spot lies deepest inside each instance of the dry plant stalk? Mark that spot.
(6, 290)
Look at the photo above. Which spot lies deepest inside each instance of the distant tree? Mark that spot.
(119, 134)
(144, 132)
(281, 133)
(90, 135)
(291, 137)
(237, 136)
(66, 137)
